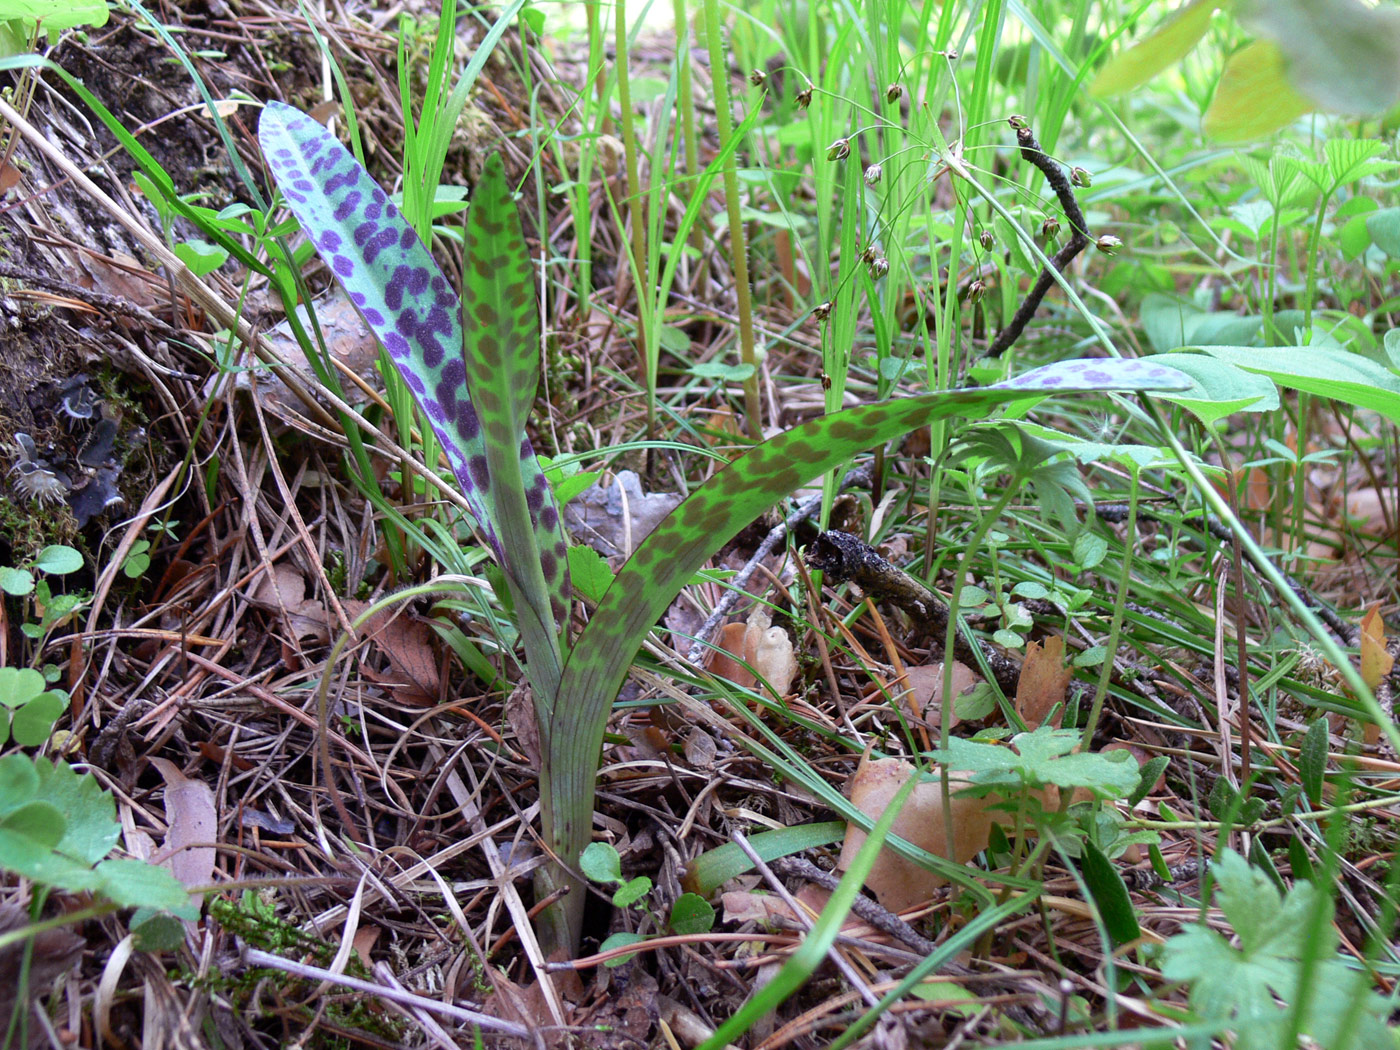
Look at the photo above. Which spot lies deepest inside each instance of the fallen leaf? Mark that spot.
(363, 943)
(407, 641)
(191, 817)
(46, 955)
(924, 695)
(613, 516)
(1376, 663)
(896, 882)
(1044, 679)
(726, 660)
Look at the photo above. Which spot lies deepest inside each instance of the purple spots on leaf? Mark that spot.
(407, 238)
(414, 383)
(374, 317)
(303, 185)
(340, 180)
(467, 422)
(330, 241)
(480, 471)
(417, 276)
(393, 291)
(378, 243)
(396, 344)
(549, 518)
(347, 206)
(342, 266)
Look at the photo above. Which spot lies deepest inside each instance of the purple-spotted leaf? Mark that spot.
(390, 277)
(709, 518)
(403, 296)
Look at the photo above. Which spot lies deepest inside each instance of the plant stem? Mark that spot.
(1120, 605)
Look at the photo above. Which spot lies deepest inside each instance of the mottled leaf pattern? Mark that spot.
(402, 294)
(713, 514)
(502, 355)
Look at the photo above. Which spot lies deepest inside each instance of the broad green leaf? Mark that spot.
(1351, 160)
(1254, 96)
(1343, 55)
(711, 516)
(1312, 760)
(692, 914)
(1392, 347)
(39, 820)
(200, 256)
(601, 863)
(707, 872)
(136, 884)
(1384, 229)
(18, 582)
(1220, 389)
(589, 572)
(58, 560)
(89, 812)
(1165, 47)
(157, 931)
(620, 940)
(32, 723)
(19, 685)
(631, 891)
(54, 16)
(1324, 371)
(1038, 759)
(39, 862)
(1110, 895)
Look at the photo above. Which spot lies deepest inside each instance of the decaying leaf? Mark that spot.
(192, 817)
(924, 697)
(899, 883)
(727, 660)
(1376, 662)
(1044, 679)
(615, 515)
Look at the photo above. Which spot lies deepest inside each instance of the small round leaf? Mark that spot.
(58, 560)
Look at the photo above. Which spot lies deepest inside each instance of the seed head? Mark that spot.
(894, 92)
(1108, 244)
(879, 266)
(988, 239)
(1080, 177)
(822, 310)
(873, 174)
(1050, 227)
(804, 97)
(839, 150)
(976, 290)
(758, 78)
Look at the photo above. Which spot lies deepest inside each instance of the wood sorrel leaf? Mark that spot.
(403, 296)
(708, 519)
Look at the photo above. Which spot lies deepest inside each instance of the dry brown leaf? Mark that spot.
(363, 943)
(925, 690)
(191, 817)
(285, 588)
(1372, 509)
(520, 716)
(899, 883)
(413, 663)
(725, 661)
(1376, 663)
(1044, 679)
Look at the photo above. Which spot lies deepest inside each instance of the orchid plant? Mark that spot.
(473, 366)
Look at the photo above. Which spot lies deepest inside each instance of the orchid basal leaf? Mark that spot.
(404, 298)
(502, 356)
(714, 514)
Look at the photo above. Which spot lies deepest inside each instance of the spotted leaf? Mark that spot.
(502, 356)
(710, 517)
(403, 296)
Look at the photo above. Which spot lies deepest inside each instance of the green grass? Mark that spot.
(843, 285)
